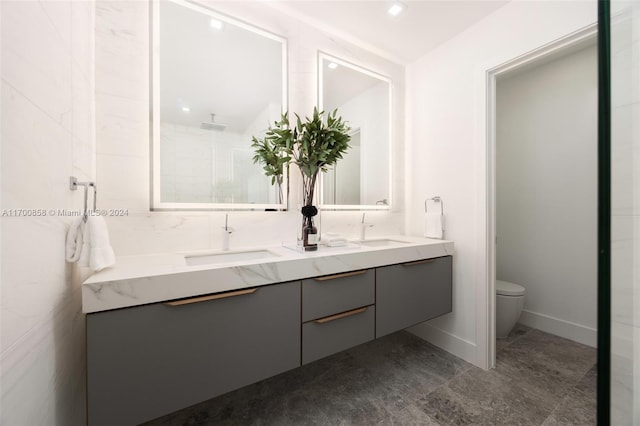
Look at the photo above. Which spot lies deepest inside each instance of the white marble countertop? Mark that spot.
(138, 280)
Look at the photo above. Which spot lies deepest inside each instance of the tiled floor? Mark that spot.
(540, 379)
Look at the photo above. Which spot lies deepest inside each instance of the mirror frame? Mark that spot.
(322, 56)
(154, 126)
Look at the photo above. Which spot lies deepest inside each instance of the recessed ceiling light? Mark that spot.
(186, 109)
(215, 23)
(332, 65)
(396, 9)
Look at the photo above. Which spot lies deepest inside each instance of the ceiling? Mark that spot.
(404, 38)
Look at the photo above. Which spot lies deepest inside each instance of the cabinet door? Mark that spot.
(147, 361)
(410, 293)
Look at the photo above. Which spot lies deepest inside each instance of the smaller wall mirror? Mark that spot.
(216, 83)
(362, 179)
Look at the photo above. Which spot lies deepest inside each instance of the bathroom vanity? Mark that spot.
(162, 336)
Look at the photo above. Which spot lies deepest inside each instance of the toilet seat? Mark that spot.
(505, 288)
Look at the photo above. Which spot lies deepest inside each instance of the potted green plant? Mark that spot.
(313, 146)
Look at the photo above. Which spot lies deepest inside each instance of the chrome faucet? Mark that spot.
(226, 235)
(363, 227)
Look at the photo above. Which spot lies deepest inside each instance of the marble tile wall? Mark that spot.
(47, 135)
(625, 244)
(122, 120)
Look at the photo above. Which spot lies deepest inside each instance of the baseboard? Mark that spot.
(569, 330)
(445, 340)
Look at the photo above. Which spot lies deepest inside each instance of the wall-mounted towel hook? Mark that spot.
(435, 199)
(74, 184)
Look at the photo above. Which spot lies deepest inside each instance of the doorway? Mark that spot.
(566, 46)
(546, 192)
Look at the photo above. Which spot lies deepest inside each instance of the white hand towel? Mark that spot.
(333, 239)
(434, 225)
(85, 250)
(74, 241)
(101, 254)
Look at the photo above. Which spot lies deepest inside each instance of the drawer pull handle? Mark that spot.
(418, 262)
(212, 297)
(342, 315)
(346, 274)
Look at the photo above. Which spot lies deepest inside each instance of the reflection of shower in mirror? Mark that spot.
(213, 125)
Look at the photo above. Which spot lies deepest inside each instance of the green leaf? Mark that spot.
(313, 144)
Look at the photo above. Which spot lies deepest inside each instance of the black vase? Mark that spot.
(310, 235)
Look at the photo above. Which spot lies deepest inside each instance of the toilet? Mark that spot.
(509, 303)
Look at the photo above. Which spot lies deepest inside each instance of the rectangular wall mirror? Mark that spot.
(362, 179)
(216, 82)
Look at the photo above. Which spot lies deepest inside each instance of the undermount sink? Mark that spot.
(381, 242)
(227, 257)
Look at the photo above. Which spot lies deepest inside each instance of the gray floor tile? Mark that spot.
(518, 331)
(404, 385)
(358, 397)
(572, 357)
(538, 377)
(447, 408)
(575, 409)
(545, 362)
(410, 368)
(411, 415)
(402, 380)
(486, 398)
(419, 354)
(589, 383)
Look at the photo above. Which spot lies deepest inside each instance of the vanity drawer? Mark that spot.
(333, 294)
(335, 333)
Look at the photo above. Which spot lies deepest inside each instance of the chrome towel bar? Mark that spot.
(74, 184)
(435, 199)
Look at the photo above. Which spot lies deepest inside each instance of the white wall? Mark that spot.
(625, 212)
(546, 192)
(122, 82)
(47, 136)
(446, 154)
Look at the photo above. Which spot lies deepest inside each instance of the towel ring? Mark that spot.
(435, 199)
(74, 184)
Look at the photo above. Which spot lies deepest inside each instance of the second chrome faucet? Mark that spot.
(226, 233)
(363, 228)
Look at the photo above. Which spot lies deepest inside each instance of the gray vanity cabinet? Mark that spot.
(412, 292)
(338, 313)
(147, 361)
